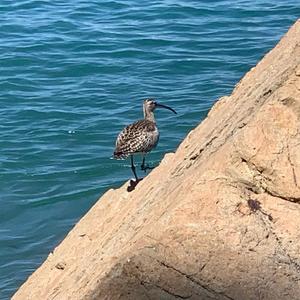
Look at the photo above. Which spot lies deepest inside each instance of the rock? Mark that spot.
(219, 219)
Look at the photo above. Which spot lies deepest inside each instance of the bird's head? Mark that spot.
(150, 105)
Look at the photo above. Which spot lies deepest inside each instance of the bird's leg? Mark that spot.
(133, 183)
(143, 167)
(133, 168)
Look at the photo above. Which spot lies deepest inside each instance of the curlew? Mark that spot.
(139, 137)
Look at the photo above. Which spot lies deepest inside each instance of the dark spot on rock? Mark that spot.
(254, 205)
(267, 92)
(194, 157)
(60, 266)
(288, 101)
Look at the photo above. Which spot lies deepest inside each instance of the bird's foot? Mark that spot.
(133, 184)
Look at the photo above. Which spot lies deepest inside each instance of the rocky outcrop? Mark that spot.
(219, 219)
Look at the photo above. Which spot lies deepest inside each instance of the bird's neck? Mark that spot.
(149, 115)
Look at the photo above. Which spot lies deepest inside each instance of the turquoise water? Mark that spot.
(73, 73)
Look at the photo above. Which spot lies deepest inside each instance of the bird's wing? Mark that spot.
(136, 137)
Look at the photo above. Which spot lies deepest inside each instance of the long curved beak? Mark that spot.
(166, 107)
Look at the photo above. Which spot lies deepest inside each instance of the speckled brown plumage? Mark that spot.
(139, 137)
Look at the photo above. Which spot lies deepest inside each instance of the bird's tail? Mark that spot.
(119, 155)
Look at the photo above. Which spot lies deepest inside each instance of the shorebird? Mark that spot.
(139, 137)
